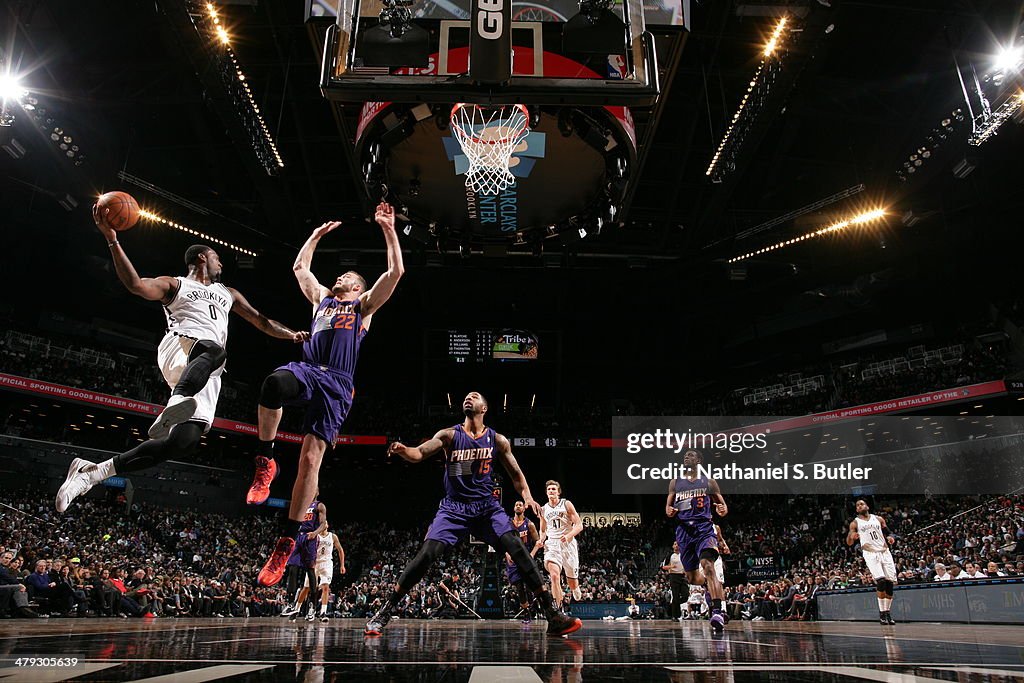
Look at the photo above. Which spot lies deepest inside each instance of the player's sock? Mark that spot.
(265, 449)
(881, 604)
(716, 605)
(101, 471)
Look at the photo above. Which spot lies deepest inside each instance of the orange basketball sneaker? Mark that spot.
(266, 472)
(273, 570)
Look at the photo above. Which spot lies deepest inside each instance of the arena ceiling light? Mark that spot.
(926, 150)
(11, 92)
(237, 84)
(773, 42)
(11, 89)
(150, 216)
(723, 159)
(1010, 59)
(859, 219)
(1013, 104)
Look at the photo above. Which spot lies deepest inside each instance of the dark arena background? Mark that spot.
(799, 219)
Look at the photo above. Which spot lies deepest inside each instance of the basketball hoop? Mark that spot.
(488, 136)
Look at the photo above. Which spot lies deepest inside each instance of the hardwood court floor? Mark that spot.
(272, 649)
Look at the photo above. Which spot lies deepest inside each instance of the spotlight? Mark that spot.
(773, 42)
(10, 88)
(1010, 59)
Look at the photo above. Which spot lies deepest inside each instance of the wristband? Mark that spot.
(111, 244)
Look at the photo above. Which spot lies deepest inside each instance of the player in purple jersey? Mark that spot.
(689, 503)
(527, 531)
(469, 506)
(322, 381)
(302, 561)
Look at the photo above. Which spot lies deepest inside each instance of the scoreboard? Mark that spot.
(490, 345)
(469, 346)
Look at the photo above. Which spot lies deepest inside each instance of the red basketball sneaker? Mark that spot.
(266, 472)
(273, 570)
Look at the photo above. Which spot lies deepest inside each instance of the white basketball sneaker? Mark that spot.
(577, 594)
(179, 409)
(75, 484)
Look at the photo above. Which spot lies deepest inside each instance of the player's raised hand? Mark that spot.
(532, 505)
(385, 215)
(396, 448)
(98, 217)
(300, 337)
(326, 228)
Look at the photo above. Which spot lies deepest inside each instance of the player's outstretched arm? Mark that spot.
(308, 283)
(384, 287)
(716, 497)
(852, 535)
(242, 307)
(160, 289)
(425, 450)
(533, 536)
(503, 452)
(543, 534)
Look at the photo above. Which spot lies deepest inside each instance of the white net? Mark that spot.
(488, 137)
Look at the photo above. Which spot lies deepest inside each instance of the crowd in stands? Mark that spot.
(105, 559)
(182, 563)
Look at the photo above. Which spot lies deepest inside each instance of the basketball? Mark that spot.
(118, 210)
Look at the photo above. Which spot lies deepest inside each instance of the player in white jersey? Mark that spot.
(326, 544)
(560, 524)
(875, 539)
(191, 357)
